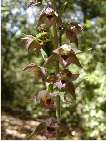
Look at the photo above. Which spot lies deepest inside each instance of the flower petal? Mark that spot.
(40, 72)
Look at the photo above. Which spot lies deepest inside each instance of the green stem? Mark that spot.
(55, 37)
(58, 108)
(59, 14)
(57, 41)
(58, 115)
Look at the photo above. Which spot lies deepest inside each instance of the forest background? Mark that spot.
(87, 115)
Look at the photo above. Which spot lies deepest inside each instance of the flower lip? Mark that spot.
(64, 57)
(49, 16)
(51, 129)
(63, 81)
(49, 101)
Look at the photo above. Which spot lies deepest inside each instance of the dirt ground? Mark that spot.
(14, 128)
(16, 125)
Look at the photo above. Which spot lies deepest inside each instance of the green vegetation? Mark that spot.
(86, 116)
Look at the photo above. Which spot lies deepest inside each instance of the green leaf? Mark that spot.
(42, 37)
(44, 55)
(50, 88)
(48, 48)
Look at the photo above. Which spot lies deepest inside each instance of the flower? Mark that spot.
(40, 72)
(72, 30)
(66, 56)
(49, 17)
(46, 99)
(32, 43)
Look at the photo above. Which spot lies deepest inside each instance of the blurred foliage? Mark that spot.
(18, 87)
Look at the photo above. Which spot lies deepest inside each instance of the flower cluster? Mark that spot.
(60, 80)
